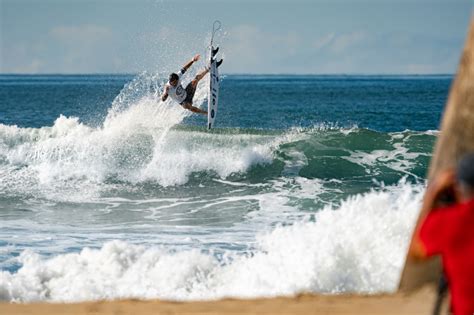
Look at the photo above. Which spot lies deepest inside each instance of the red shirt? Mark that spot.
(449, 232)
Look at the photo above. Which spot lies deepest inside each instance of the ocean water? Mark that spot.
(308, 184)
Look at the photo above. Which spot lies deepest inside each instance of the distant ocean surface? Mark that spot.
(307, 184)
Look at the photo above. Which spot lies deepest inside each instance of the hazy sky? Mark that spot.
(259, 36)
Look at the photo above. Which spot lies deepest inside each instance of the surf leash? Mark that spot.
(215, 27)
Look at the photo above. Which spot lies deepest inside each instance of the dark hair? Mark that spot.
(173, 77)
(465, 170)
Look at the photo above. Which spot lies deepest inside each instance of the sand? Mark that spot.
(418, 302)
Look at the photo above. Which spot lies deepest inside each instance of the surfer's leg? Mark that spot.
(199, 76)
(190, 107)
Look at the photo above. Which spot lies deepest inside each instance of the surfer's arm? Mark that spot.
(164, 96)
(417, 251)
(189, 64)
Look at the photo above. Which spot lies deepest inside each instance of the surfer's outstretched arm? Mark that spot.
(190, 63)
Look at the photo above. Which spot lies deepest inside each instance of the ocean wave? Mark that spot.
(142, 140)
(142, 144)
(356, 246)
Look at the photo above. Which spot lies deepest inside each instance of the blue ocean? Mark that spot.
(307, 184)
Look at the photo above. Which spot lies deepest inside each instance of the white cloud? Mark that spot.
(420, 68)
(246, 48)
(21, 57)
(343, 42)
(323, 41)
(84, 48)
(34, 66)
(83, 33)
(252, 50)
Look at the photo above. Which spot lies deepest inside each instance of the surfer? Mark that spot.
(447, 231)
(184, 96)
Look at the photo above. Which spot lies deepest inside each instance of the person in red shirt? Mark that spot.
(448, 230)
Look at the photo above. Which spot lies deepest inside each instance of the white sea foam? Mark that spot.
(400, 158)
(135, 144)
(357, 246)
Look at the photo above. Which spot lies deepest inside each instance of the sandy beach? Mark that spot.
(419, 302)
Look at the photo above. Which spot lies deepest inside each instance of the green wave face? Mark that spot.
(328, 153)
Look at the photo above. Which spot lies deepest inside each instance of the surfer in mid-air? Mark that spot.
(184, 96)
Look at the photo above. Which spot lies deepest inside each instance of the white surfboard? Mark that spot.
(213, 97)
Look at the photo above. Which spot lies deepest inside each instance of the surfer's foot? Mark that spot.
(214, 51)
(219, 63)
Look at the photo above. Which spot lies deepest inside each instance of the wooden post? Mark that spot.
(455, 139)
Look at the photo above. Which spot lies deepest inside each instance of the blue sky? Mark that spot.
(260, 36)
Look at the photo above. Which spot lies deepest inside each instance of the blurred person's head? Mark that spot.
(465, 177)
(173, 79)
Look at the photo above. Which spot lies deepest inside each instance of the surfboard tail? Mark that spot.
(214, 51)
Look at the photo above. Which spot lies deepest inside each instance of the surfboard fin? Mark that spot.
(214, 51)
(219, 63)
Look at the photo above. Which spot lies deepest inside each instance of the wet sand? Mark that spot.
(420, 301)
